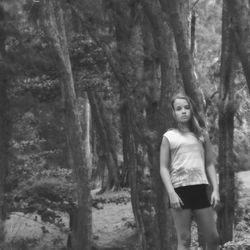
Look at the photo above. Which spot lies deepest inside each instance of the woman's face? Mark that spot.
(182, 110)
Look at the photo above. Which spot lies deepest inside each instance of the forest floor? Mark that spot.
(113, 224)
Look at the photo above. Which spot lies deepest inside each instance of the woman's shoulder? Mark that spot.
(170, 132)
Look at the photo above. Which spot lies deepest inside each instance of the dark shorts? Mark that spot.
(194, 197)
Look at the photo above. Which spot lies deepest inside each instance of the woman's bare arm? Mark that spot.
(175, 200)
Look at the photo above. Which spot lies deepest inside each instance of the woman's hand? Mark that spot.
(215, 198)
(175, 200)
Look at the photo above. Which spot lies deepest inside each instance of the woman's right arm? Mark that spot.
(175, 201)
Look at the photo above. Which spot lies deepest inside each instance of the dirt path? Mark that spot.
(113, 226)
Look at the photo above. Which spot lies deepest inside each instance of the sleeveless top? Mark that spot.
(187, 163)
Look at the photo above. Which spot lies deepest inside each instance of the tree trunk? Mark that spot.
(131, 158)
(122, 73)
(192, 35)
(103, 128)
(54, 23)
(129, 47)
(4, 151)
(186, 64)
(161, 118)
(84, 107)
(226, 129)
(126, 72)
(5, 127)
(240, 12)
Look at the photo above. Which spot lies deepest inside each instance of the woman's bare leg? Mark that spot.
(206, 222)
(182, 221)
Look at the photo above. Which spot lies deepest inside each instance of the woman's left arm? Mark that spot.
(211, 172)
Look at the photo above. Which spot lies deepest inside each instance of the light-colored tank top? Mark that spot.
(187, 163)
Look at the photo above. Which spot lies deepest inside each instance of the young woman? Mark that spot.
(186, 168)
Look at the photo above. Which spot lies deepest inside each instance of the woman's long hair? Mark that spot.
(194, 124)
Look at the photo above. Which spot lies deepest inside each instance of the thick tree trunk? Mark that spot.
(186, 64)
(155, 234)
(128, 35)
(161, 118)
(226, 129)
(5, 126)
(131, 158)
(81, 235)
(103, 128)
(240, 11)
(54, 21)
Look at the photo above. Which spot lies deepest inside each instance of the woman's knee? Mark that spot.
(213, 239)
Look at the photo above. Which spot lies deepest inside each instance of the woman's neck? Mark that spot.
(183, 127)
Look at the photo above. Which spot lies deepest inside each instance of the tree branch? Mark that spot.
(194, 4)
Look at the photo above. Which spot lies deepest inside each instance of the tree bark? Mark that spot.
(226, 129)
(240, 12)
(161, 118)
(54, 23)
(131, 158)
(85, 115)
(103, 128)
(5, 125)
(186, 64)
(122, 73)
(4, 150)
(126, 70)
(192, 36)
(129, 50)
